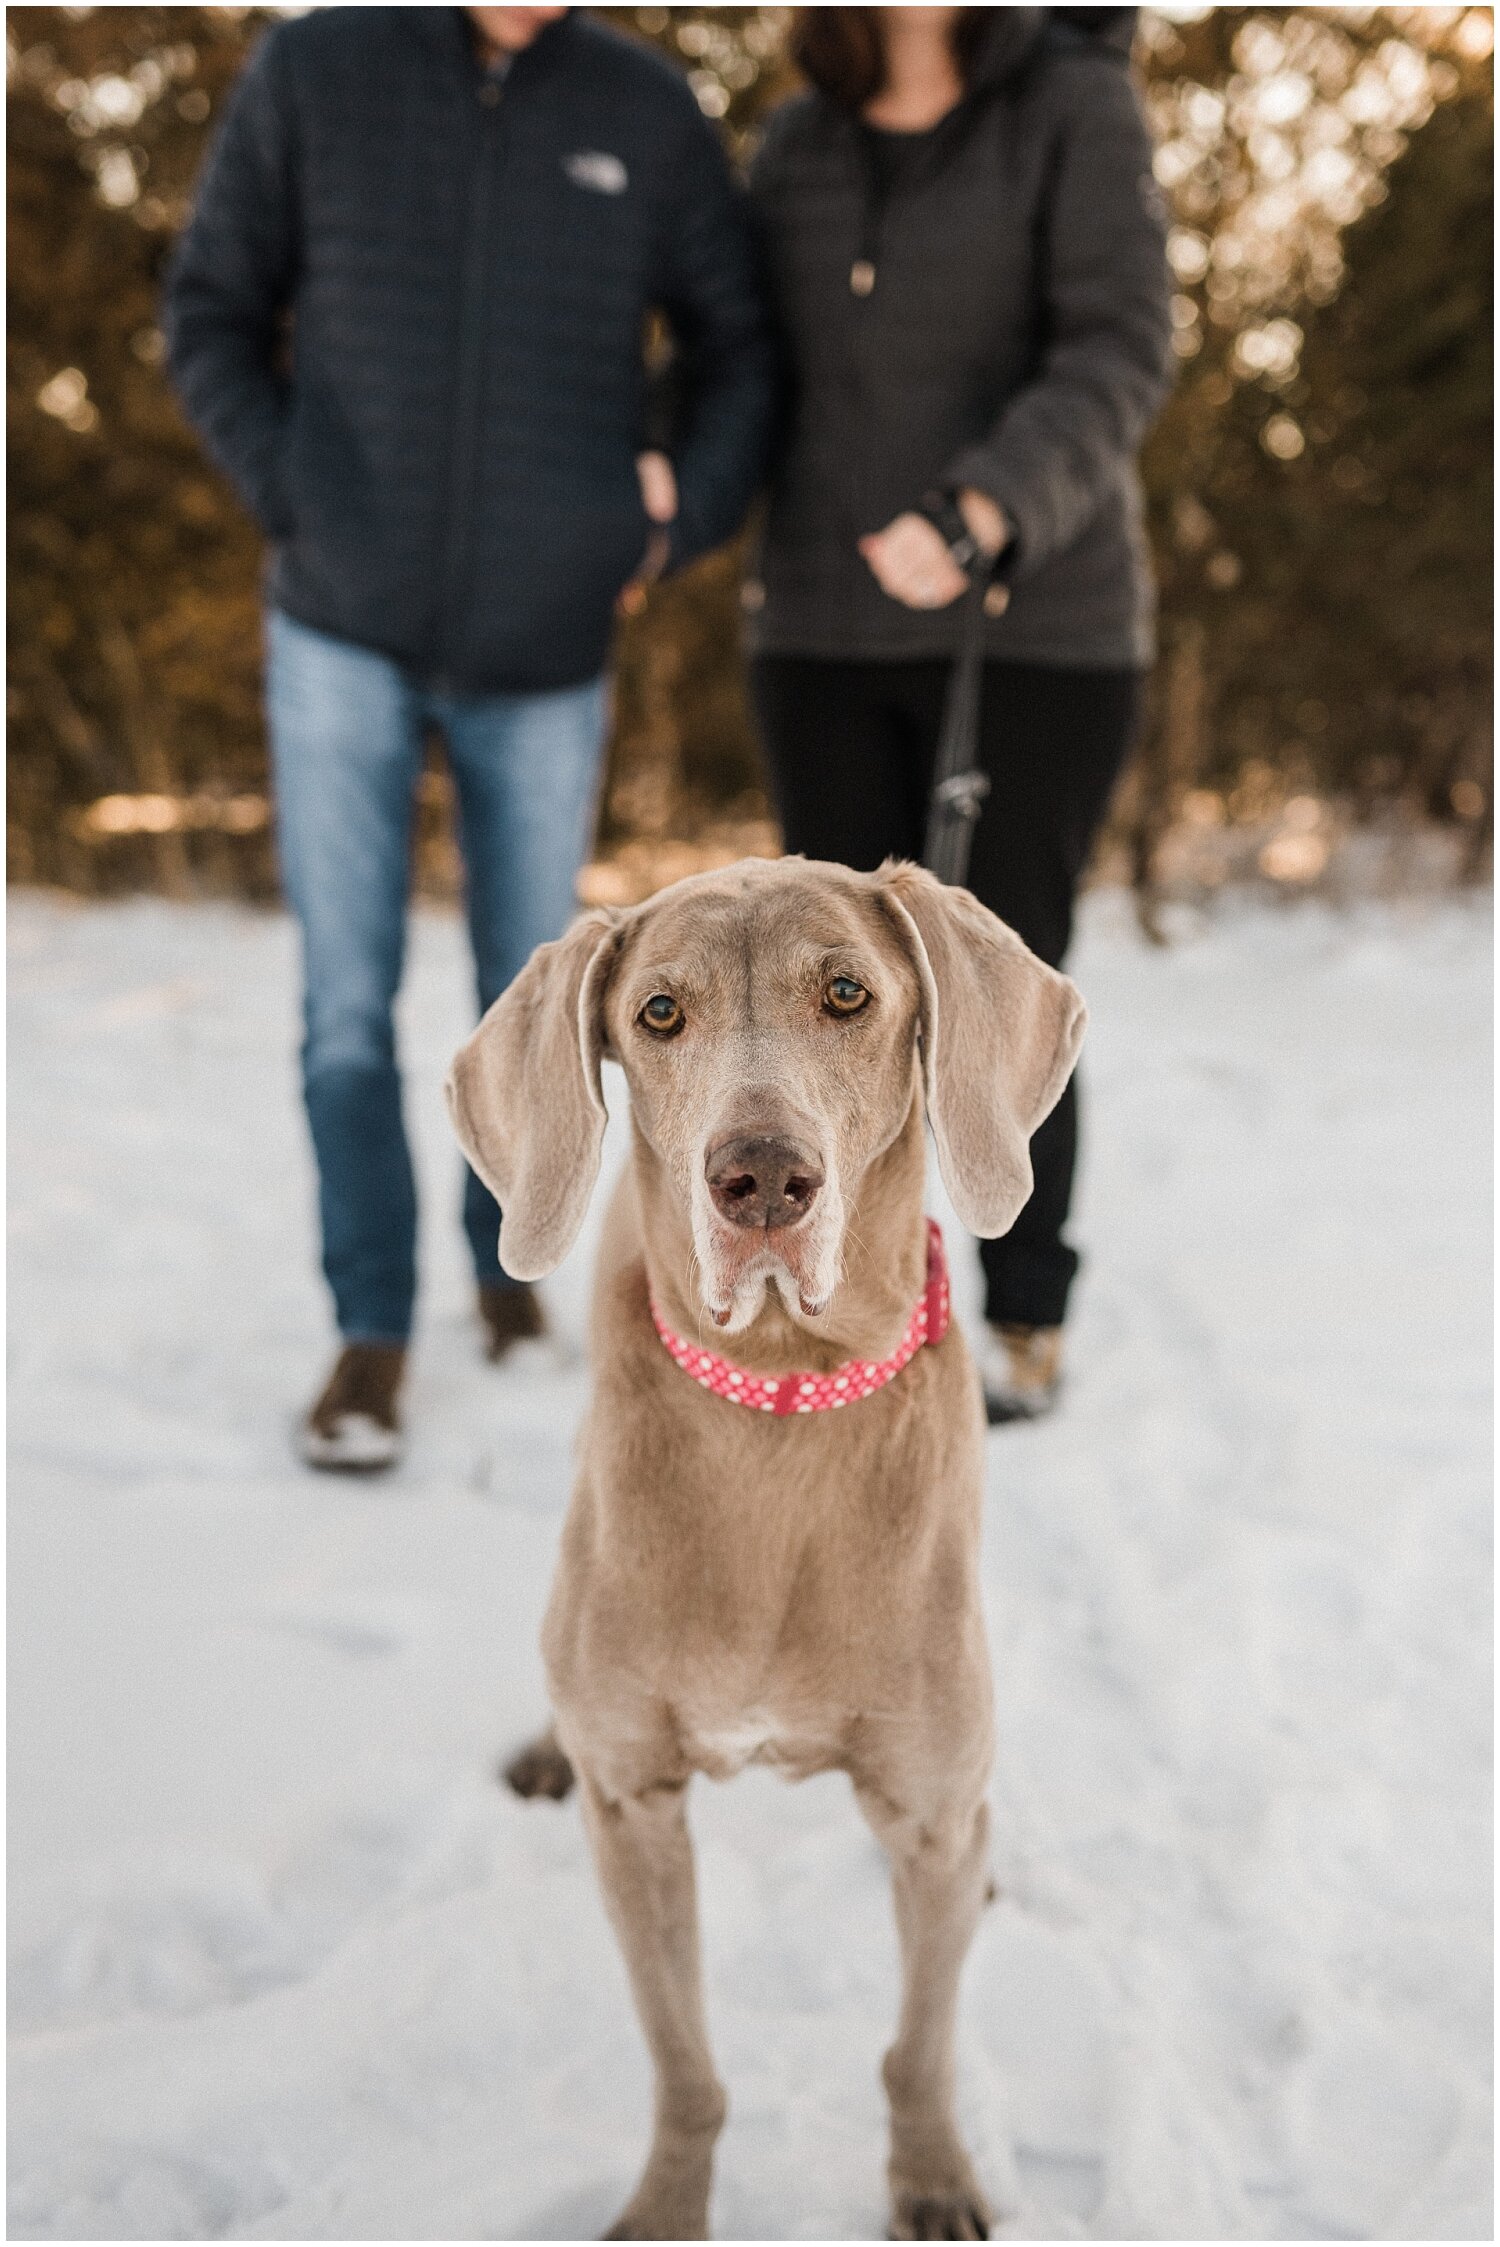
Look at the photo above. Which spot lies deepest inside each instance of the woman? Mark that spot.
(967, 252)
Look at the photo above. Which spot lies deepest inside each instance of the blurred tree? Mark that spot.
(134, 634)
(1318, 486)
(1376, 480)
(1320, 483)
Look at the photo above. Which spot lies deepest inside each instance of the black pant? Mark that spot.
(850, 746)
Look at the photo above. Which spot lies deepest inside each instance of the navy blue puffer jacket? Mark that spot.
(407, 319)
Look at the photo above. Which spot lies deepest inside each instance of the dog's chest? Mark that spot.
(720, 1744)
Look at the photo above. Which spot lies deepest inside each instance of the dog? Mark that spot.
(772, 1548)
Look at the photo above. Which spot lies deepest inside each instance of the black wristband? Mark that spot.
(942, 510)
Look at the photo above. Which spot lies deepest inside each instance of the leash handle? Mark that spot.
(959, 787)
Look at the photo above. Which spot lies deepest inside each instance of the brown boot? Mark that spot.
(1021, 1367)
(354, 1428)
(509, 1315)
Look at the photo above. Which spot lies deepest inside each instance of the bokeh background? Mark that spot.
(1320, 484)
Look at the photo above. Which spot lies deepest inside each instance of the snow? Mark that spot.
(288, 1964)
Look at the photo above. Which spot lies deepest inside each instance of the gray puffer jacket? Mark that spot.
(1016, 337)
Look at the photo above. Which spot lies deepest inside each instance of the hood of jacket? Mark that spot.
(1112, 29)
(1011, 36)
(1006, 44)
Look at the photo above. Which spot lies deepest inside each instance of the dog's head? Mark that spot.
(770, 1021)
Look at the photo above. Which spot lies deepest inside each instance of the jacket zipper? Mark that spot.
(468, 388)
(877, 193)
(872, 202)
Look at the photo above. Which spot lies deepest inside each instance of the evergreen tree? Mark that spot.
(134, 632)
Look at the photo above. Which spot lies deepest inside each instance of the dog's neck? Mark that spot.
(884, 1266)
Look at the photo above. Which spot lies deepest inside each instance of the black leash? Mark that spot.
(958, 786)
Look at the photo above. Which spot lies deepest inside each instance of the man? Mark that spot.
(407, 318)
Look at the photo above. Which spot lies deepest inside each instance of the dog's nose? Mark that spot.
(761, 1181)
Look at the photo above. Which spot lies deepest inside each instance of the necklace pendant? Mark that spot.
(862, 276)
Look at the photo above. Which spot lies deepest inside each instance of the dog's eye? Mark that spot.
(662, 1015)
(844, 996)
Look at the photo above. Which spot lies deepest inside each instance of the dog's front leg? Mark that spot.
(645, 1861)
(938, 1866)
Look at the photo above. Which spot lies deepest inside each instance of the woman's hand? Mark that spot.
(658, 479)
(910, 561)
(985, 520)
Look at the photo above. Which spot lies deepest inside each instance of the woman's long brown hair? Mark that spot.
(841, 52)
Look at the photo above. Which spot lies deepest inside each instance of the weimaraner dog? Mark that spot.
(749, 1572)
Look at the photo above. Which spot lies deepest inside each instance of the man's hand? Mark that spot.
(659, 498)
(658, 486)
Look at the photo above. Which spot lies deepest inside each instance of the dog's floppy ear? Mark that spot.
(526, 1100)
(1000, 1034)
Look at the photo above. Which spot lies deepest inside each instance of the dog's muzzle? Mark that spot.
(762, 1183)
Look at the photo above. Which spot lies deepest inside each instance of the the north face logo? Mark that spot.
(596, 168)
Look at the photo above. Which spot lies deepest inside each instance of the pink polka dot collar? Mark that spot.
(786, 1393)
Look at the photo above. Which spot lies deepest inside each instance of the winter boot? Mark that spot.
(1021, 1367)
(509, 1315)
(354, 1427)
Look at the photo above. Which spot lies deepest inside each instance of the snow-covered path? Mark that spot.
(287, 1964)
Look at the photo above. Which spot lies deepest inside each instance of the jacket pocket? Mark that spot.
(327, 482)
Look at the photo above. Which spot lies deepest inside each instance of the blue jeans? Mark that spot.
(347, 729)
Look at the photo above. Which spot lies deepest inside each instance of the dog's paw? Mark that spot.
(675, 2217)
(958, 2214)
(540, 1771)
(944, 2207)
(671, 2200)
